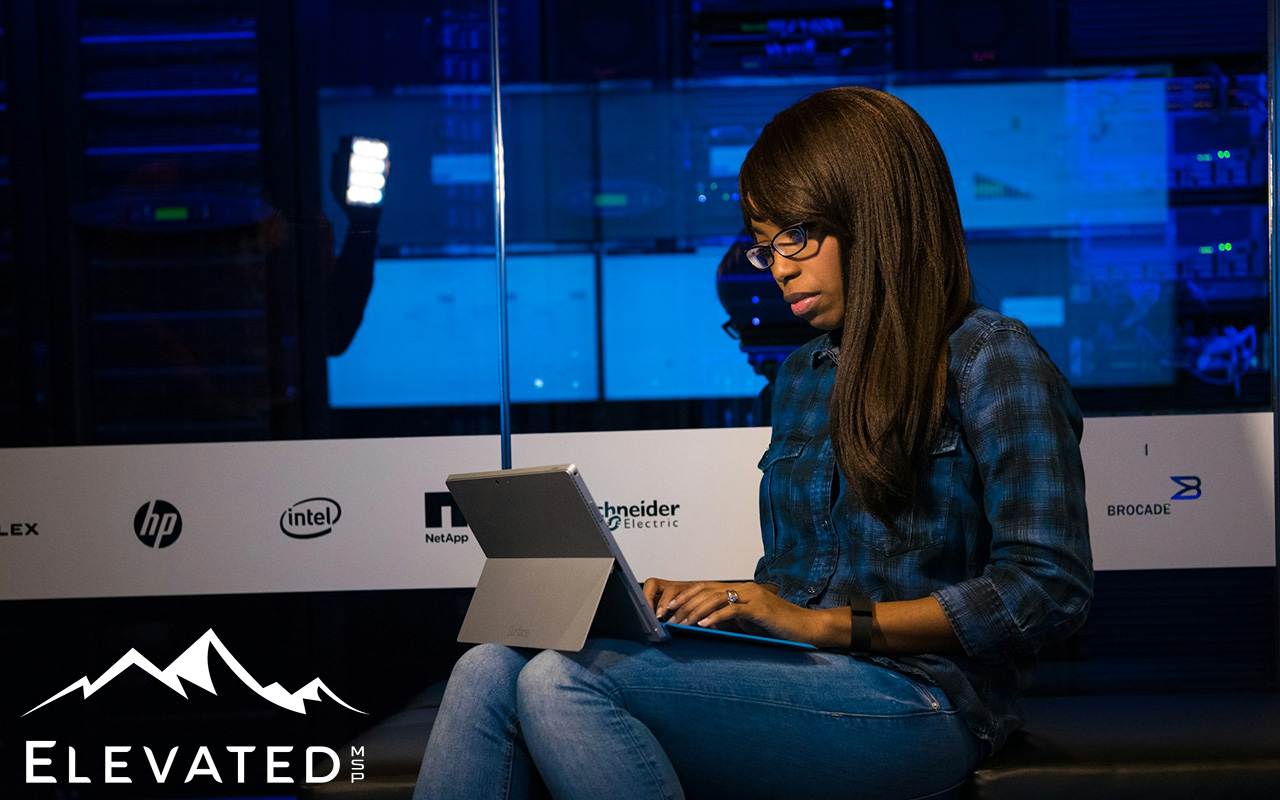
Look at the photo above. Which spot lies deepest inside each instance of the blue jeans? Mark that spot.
(690, 717)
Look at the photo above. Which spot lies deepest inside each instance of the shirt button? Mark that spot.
(824, 523)
(811, 589)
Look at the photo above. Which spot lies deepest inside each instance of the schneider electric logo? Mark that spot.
(45, 757)
(1189, 488)
(645, 514)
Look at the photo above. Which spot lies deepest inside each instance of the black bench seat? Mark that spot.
(1196, 747)
(1165, 747)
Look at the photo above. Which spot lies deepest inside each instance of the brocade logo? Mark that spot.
(1190, 487)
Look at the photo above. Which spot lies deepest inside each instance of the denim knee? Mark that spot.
(541, 686)
(486, 672)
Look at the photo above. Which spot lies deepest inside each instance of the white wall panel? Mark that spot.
(82, 502)
(231, 497)
(1131, 462)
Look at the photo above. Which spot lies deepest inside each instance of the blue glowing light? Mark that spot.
(158, 94)
(170, 149)
(210, 36)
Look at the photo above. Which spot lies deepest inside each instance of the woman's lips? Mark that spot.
(801, 304)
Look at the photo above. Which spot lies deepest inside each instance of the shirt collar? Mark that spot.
(830, 348)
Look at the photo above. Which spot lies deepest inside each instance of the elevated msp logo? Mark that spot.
(191, 667)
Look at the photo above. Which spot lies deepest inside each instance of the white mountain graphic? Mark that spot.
(193, 666)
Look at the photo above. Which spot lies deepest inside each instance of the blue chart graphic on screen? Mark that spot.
(1052, 155)
(429, 335)
(1123, 219)
(662, 337)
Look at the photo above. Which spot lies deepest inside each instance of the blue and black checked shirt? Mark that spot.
(998, 532)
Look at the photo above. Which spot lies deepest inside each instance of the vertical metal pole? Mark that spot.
(500, 238)
(1273, 174)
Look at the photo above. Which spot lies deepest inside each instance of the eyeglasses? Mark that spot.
(787, 242)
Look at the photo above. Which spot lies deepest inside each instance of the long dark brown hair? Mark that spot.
(862, 166)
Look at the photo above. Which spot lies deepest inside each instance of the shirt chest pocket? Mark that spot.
(783, 495)
(928, 522)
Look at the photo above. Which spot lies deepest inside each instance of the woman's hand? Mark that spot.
(706, 604)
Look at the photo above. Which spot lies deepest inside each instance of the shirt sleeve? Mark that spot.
(1023, 426)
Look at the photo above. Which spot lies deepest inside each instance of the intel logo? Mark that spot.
(310, 518)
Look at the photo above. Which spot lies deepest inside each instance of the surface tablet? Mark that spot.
(553, 573)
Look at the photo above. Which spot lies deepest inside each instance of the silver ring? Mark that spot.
(733, 596)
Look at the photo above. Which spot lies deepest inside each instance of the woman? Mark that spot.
(922, 509)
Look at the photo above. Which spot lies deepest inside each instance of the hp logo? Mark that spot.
(157, 523)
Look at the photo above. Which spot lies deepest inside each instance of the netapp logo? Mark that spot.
(645, 514)
(1191, 490)
(310, 518)
(158, 524)
(19, 529)
(435, 505)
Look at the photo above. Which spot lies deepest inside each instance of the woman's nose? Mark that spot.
(784, 269)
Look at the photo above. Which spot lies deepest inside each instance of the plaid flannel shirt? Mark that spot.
(998, 531)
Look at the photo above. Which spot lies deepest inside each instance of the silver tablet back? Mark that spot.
(553, 573)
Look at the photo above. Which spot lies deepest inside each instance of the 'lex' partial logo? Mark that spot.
(1190, 487)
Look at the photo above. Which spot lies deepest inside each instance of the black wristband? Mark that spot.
(860, 607)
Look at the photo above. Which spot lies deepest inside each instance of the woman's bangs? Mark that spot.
(768, 199)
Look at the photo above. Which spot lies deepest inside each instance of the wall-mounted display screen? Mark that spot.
(430, 336)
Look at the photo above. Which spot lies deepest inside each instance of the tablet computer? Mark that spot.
(553, 573)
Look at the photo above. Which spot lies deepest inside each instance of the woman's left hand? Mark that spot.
(706, 604)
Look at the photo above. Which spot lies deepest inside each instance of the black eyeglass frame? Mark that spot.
(766, 261)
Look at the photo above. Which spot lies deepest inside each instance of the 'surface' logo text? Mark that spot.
(157, 524)
(310, 518)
